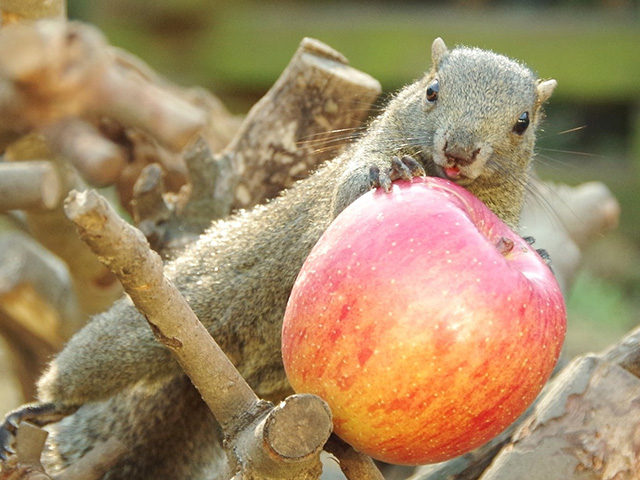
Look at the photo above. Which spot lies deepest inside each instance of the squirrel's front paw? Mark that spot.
(7, 435)
(404, 168)
(40, 414)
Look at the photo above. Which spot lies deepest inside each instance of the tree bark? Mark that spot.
(585, 428)
(276, 144)
(284, 136)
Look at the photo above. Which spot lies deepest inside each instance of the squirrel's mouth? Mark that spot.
(440, 166)
(453, 173)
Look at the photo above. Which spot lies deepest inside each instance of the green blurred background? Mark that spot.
(238, 49)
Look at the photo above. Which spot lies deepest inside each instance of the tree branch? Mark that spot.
(33, 185)
(94, 286)
(25, 464)
(354, 465)
(276, 144)
(97, 159)
(258, 437)
(309, 115)
(125, 252)
(53, 70)
(38, 309)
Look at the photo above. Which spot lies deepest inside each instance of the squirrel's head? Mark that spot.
(483, 110)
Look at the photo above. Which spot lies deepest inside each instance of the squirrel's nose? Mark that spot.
(460, 156)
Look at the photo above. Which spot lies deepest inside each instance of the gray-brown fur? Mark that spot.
(238, 276)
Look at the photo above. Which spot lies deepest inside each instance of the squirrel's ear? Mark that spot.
(545, 89)
(438, 51)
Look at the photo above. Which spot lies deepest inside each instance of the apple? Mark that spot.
(425, 323)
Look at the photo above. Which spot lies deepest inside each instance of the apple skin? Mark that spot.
(425, 337)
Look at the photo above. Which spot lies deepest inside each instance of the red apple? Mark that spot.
(426, 324)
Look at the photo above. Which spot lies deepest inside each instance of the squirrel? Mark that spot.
(472, 118)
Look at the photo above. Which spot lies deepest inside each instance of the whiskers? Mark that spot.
(562, 164)
(332, 141)
(564, 132)
(412, 146)
(335, 141)
(537, 196)
(560, 160)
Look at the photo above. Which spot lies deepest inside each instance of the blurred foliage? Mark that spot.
(592, 47)
(245, 45)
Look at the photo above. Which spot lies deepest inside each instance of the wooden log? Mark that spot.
(585, 428)
(25, 464)
(38, 309)
(626, 353)
(33, 185)
(310, 115)
(29, 444)
(290, 439)
(56, 70)
(318, 93)
(26, 266)
(96, 288)
(97, 159)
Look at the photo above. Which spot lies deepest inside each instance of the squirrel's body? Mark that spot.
(238, 276)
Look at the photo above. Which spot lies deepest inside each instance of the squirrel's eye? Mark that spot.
(521, 125)
(432, 91)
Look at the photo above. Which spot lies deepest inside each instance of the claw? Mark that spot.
(414, 167)
(378, 179)
(399, 170)
(6, 437)
(385, 182)
(374, 176)
(404, 168)
(544, 254)
(546, 257)
(541, 251)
